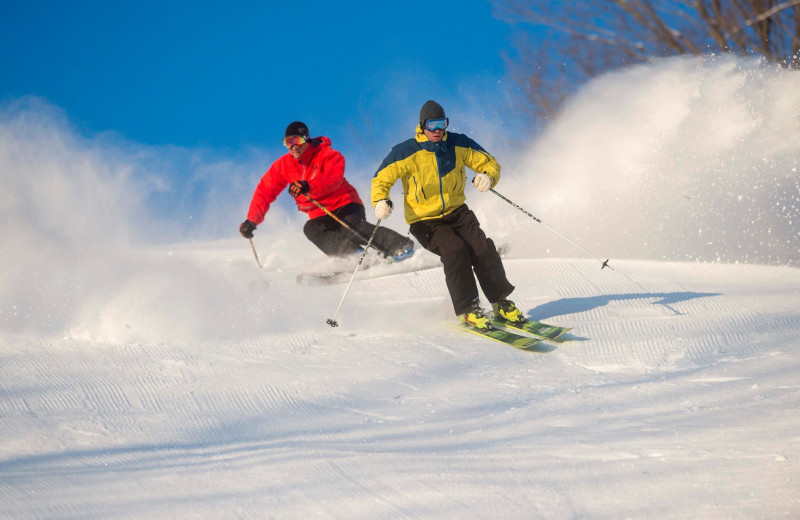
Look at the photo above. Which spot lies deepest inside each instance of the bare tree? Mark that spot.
(563, 44)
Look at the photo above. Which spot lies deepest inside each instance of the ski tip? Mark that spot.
(332, 323)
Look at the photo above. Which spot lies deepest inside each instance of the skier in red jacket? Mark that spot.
(314, 170)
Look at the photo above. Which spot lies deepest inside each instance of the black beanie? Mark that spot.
(296, 128)
(431, 110)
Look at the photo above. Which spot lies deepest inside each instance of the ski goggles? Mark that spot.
(432, 125)
(293, 140)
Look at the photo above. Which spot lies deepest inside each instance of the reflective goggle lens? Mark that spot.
(435, 124)
(293, 140)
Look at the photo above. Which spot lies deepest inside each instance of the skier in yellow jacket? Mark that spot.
(431, 167)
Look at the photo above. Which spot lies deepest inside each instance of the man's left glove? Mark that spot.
(298, 188)
(247, 228)
(482, 182)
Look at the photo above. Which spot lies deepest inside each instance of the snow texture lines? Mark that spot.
(276, 399)
(675, 388)
(12, 403)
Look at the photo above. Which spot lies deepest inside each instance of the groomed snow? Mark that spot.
(676, 396)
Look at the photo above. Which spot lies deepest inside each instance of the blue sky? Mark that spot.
(231, 75)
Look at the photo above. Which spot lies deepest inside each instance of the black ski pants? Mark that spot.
(335, 240)
(463, 247)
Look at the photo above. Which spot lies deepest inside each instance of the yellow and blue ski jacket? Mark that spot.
(433, 174)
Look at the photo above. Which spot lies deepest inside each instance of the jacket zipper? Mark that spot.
(441, 186)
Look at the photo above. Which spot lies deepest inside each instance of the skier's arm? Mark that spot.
(480, 161)
(384, 179)
(268, 189)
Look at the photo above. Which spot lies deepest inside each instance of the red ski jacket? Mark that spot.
(321, 166)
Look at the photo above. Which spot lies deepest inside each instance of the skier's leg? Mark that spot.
(488, 265)
(329, 236)
(392, 242)
(386, 240)
(440, 239)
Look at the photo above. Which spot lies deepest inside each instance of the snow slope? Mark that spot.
(180, 381)
(676, 397)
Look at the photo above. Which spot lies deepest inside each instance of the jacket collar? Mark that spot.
(315, 145)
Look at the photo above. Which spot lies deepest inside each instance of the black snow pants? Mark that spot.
(463, 247)
(334, 240)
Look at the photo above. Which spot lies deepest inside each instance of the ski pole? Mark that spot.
(603, 265)
(254, 252)
(332, 321)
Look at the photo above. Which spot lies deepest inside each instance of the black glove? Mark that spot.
(298, 188)
(247, 228)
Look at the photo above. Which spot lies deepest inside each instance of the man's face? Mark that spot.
(434, 128)
(434, 136)
(297, 151)
(296, 144)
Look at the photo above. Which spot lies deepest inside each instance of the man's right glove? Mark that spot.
(247, 228)
(383, 209)
(298, 188)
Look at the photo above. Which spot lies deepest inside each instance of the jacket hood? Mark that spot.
(321, 141)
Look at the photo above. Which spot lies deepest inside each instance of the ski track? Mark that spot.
(655, 394)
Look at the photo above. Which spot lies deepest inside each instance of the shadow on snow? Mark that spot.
(577, 305)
